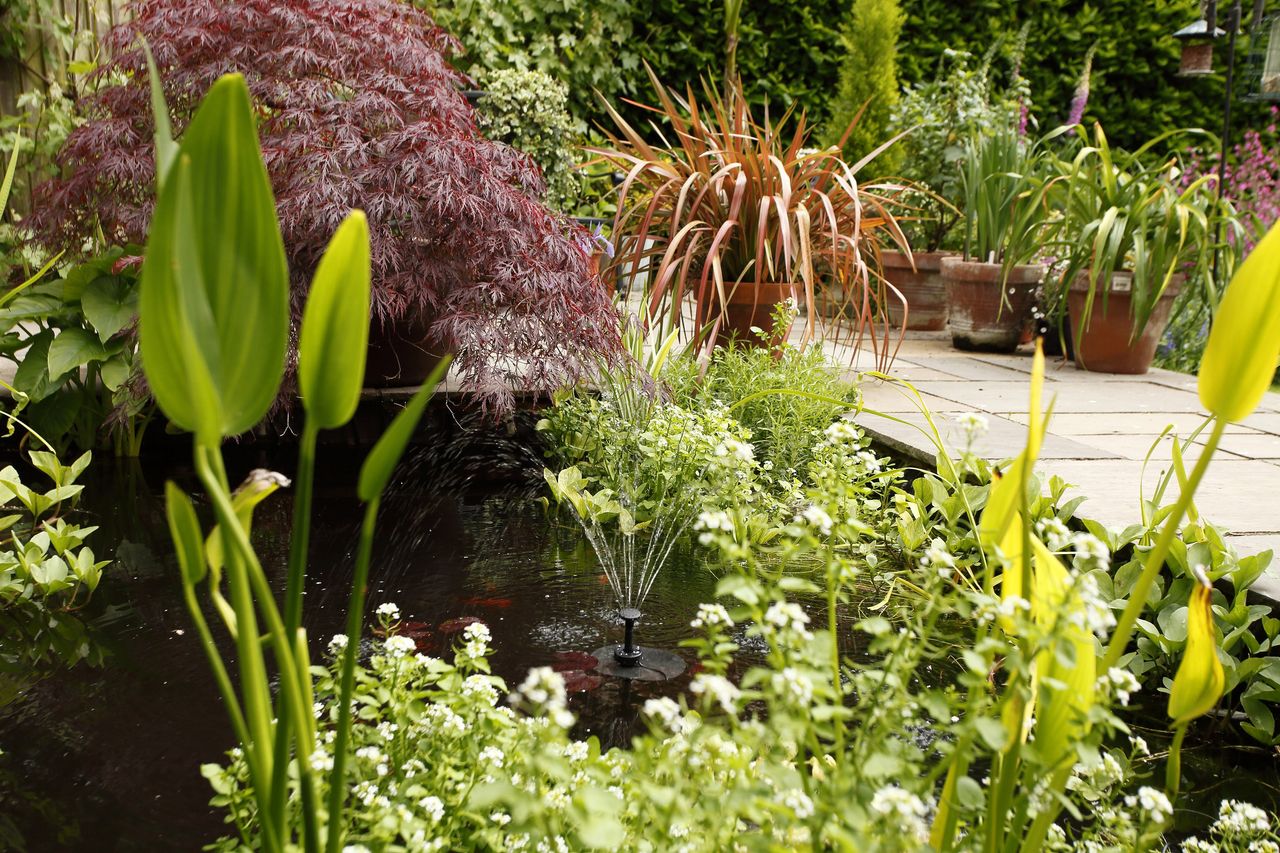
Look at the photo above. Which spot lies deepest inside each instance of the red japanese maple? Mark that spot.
(359, 108)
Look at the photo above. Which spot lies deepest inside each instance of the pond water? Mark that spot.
(106, 758)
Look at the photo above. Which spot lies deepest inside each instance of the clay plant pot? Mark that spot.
(922, 287)
(749, 304)
(1107, 344)
(979, 318)
(401, 355)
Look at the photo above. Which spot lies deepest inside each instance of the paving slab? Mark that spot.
(1102, 429)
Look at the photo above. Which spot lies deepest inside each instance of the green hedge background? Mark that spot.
(790, 51)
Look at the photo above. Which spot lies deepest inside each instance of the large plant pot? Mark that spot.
(922, 287)
(979, 317)
(749, 304)
(1107, 344)
(401, 355)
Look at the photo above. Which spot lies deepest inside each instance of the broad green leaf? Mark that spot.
(184, 528)
(32, 375)
(335, 327)
(1066, 690)
(72, 349)
(1199, 681)
(109, 304)
(10, 171)
(115, 372)
(1244, 343)
(215, 288)
(385, 455)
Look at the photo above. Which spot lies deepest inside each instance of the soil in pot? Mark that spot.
(985, 314)
(401, 354)
(1106, 344)
(922, 287)
(749, 304)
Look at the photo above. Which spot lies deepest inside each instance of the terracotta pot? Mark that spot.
(979, 318)
(1106, 344)
(400, 354)
(749, 304)
(922, 287)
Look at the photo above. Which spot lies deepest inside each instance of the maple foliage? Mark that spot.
(358, 107)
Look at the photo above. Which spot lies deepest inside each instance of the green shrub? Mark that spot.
(528, 110)
(868, 75)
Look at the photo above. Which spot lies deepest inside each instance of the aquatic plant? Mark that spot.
(359, 107)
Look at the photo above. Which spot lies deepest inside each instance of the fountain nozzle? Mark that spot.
(628, 654)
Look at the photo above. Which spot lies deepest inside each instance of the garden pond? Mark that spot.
(104, 757)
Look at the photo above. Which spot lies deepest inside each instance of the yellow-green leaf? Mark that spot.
(1244, 344)
(385, 455)
(184, 528)
(335, 327)
(215, 287)
(1197, 686)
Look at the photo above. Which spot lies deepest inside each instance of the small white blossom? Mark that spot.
(938, 558)
(398, 646)
(973, 424)
(338, 644)
(433, 806)
(1236, 817)
(711, 616)
(787, 616)
(493, 757)
(1196, 845)
(1155, 806)
(719, 689)
(816, 517)
(389, 611)
(799, 803)
(793, 684)
(476, 640)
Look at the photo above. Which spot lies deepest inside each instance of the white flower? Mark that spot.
(479, 686)
(1195, 845)
(369, 753)
(669, 715)
(719, 689)
(1139, 745)
(1263, 845)
(433, 806)
(1054, 533)
(711, 616)
(1124, 685)
(338, 644)
(500, 818)
(816, 517)
(445, 718)
(577, 750)
(937, 557)
(840, 431)
(1091, 552)
(905, 808)
(320, 761)
(973, 424)
(678, 830)
(389, 611)
(799, 803)
(476, 640)
(786, 616)
(387, 730)
(793, 684)
(1236, 817)
(355, 848)
(493, 757)
(399, 646)
(1155, 806)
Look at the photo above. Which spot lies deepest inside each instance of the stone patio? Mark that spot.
(1101, 430)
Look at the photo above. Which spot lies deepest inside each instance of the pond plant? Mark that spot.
(359, 107)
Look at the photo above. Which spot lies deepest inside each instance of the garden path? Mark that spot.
(1100, 432)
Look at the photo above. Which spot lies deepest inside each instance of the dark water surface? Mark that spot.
(107, 758)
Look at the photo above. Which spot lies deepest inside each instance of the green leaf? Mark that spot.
(72, 349)
(166, 148)
(1244, 343)
(109, 304)
(32, 375)
(215, 286)
(383, 458)
(335, 327)
(184, 528)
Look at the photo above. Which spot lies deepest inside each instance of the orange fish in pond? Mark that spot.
(494, 603)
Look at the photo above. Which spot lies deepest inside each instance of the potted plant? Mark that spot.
(938, 115)
(991, 288)
(1131, 237)
(737, 214)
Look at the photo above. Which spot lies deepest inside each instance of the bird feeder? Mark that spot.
(1197, 47)
(1264, 61)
